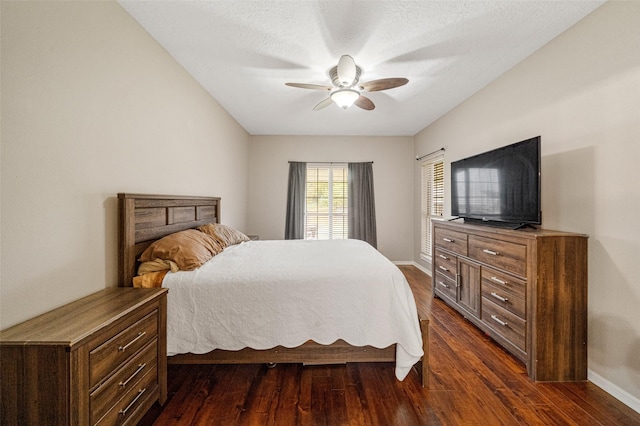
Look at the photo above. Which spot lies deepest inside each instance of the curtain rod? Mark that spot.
(330, 162)
(431, 153)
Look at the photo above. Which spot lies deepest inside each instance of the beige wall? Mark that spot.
(393, 182)
(581, 93)
(92, 106)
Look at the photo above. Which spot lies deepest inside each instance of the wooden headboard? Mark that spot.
(145, 218)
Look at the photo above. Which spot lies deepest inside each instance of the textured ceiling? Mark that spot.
(243, 53)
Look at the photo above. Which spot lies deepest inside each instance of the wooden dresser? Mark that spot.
(100, 360)
(527, 289)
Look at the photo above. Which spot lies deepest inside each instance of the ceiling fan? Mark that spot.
(346, 89)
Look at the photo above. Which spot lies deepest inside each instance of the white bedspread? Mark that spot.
(261, 294)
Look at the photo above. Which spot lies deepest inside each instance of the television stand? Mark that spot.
(526, 290)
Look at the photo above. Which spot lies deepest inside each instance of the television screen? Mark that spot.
(501, 186)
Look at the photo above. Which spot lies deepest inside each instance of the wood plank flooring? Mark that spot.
(472, 382)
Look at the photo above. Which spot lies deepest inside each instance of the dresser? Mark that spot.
(100, 360)
(527, 289)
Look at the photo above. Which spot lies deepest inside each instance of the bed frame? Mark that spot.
(145, 218)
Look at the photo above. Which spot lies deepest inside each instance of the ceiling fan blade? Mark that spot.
(364, 103)
(346, 70)
(323, 104)
(383, 84)
(309, 86)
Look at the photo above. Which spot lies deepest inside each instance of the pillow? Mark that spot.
(188, 249)
(150, 280)
(226, 235)
(157, 265)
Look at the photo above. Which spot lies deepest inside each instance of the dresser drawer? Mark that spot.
(504, 290)
(135, 399)
(505, 323)
(128, 377)
(445, 285)
(446, 264)
(450, 240)
(128, 340)
(500, 254)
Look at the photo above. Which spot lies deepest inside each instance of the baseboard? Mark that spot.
(615, 391)
(422, 268)
(412, 263)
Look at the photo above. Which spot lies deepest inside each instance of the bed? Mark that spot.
(145, 219)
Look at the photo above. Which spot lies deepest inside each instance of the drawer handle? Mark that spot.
(443, 284)
(135, 373)
(491, 252)
(442, 256)
(498, 280)
(500, 298)
(449, 240)
(499, 321)
(132, 403)
(443, 268)
(124, 348)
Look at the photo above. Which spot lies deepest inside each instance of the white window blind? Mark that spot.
(432, 200)
(326, 203)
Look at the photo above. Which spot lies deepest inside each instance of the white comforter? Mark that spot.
(262, 294)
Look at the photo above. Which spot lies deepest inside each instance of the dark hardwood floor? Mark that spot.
(472, 382)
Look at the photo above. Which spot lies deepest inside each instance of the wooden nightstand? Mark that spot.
(99, 360)
(254, 237)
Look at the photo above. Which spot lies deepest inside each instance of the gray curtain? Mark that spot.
(362, 209)
(294, 227)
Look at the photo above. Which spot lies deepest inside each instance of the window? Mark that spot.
(432, 200)
(326, 203)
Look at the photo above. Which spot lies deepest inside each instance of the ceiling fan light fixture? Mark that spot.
(346, 71)
(344, 98)
(347, 89)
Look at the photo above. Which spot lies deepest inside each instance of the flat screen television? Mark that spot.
(499, 187)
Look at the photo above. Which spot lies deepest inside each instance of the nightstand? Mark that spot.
(101, 359)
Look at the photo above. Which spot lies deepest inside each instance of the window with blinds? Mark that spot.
(432, 200)
(326, 202)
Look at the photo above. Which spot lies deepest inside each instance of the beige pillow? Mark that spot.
(226, 235)
(188, 249)
(157, 265)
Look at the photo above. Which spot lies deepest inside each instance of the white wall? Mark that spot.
(581, 93)
(393, 182)
(93, 106)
